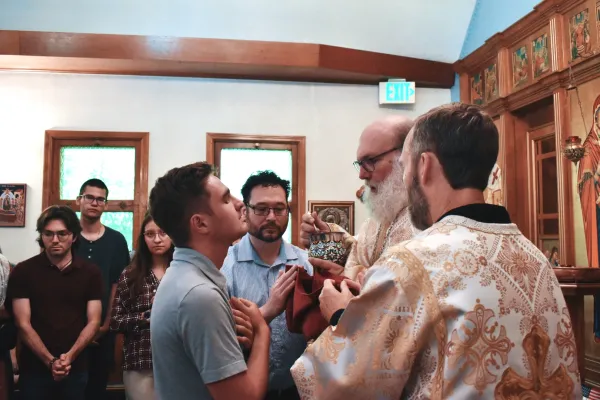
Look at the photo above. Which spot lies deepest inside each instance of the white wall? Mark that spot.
(432, 29)
(178, 113)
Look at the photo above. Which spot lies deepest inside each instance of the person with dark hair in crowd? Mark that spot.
(196, 352)
(131, 309)
(56, 301)
(468, 308)
(107, 248)
(255, 270)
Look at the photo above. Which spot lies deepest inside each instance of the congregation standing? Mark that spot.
(441, 296)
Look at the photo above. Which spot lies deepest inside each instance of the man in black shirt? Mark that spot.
(55, 299)
(108, 249)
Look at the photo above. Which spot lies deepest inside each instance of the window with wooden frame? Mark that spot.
(120, 159)
(236, 157)
(544, 187)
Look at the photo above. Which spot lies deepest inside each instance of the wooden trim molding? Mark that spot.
(211, 58)
(55, 139)
(214, 141)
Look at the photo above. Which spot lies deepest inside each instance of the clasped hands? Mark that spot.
(61, 367)
(248, 321)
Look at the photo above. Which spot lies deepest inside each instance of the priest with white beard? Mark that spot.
(468, 308)
(378, 157)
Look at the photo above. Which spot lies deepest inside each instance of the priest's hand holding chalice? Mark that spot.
(328, 245)
(328, 249)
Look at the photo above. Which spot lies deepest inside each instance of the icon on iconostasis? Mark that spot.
(580, 35)
(520, 67)
(491, 83)
(476, 89)
(541, 60)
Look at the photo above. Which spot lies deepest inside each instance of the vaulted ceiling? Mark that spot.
(428, 29)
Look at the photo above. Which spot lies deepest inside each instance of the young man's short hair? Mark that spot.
(94, 182)
(464, 139)
(178, 195)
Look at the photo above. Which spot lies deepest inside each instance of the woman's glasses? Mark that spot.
(153, 234)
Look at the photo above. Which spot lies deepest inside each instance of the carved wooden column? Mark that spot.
(558, 47)
(508, 162)
(465, 89)
(562, 124)
(504, 72)
(506, 127)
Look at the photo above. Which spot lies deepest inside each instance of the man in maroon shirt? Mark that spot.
(56, 300)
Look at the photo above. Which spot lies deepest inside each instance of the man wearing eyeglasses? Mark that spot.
(107, 248)
(255, 270)
(55, 298)
(385, 196)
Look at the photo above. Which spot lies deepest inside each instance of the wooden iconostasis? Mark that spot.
(540, 81)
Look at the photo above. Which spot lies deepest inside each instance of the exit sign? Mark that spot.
(396, 92)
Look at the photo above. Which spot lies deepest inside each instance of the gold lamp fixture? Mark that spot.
(573, 148)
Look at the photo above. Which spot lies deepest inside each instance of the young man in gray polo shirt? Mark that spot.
(255, 270)
(195, 349)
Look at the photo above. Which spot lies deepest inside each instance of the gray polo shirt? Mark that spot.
(249, 277)
(192, 329)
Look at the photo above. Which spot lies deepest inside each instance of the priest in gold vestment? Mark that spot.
(468, 308)
(378, 153)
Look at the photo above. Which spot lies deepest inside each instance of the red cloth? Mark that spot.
(302, 312)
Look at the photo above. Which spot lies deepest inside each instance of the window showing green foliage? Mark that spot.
(115, 166)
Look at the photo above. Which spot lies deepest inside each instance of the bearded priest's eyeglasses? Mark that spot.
(369, 164)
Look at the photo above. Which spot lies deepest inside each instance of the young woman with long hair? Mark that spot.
(133, 302)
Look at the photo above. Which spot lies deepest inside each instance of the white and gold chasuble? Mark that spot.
(374, 238)
(463, 310)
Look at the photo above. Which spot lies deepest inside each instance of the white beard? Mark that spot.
(391, 196)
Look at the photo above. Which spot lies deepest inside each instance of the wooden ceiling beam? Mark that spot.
(213, 58)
